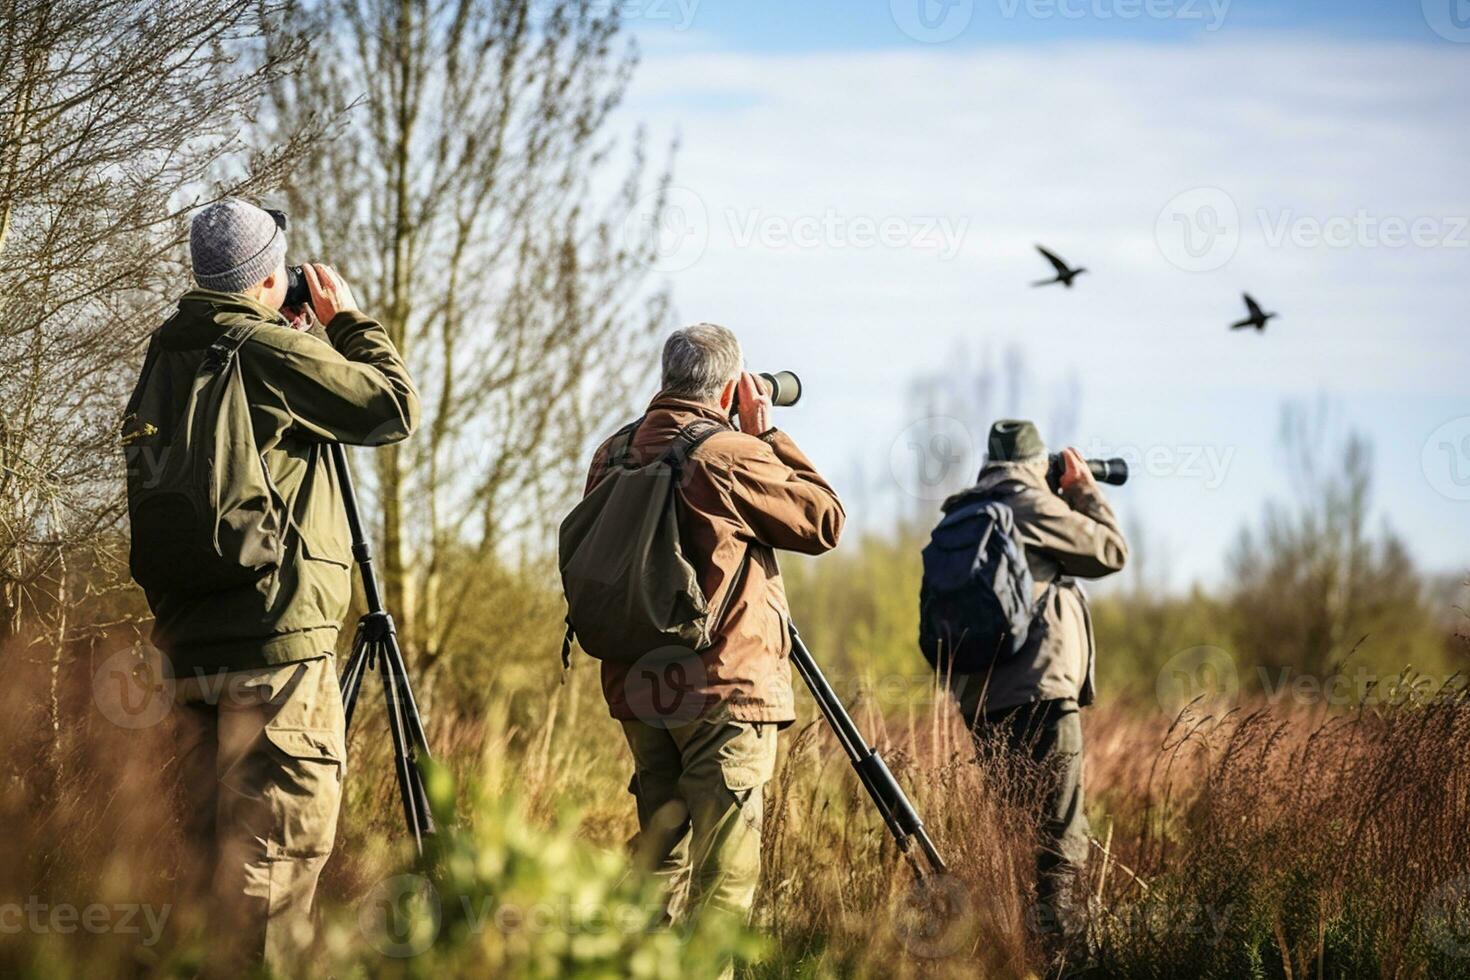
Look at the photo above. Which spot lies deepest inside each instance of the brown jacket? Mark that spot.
(743, 498)
(1074, 534)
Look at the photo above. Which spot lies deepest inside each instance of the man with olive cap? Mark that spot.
(259, 726)
(1027, 705)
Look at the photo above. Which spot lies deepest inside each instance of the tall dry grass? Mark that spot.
(1272, 841)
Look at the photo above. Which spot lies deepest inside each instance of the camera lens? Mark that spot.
(785, 387)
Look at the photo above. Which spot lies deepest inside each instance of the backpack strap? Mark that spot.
(224, 349)
(620, 446)
(688, 439)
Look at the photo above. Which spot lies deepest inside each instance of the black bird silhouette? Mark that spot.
(1064, 275)
(1257, 318)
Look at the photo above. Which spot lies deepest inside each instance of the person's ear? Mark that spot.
(269, 282)
(727, 395)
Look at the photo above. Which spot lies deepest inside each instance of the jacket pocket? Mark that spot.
(323, 525)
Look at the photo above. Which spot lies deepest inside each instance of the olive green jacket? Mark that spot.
(306, 389)
(1067, 536)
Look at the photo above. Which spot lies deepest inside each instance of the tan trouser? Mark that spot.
(261, 760)
(700, 793)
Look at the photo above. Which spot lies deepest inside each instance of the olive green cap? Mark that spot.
(1014, 441)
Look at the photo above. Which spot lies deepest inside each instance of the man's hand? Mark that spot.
(1075, 472)
(330, 293)
(754, 406)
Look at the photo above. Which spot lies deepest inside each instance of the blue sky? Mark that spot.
(861, 202)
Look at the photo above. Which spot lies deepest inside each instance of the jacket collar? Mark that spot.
(678, 405)
(209, 303)
(197, 321)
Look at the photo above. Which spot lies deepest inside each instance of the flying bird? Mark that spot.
(1064, 275)
(1256, 319)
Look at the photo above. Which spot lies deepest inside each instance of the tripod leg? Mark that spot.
(352, 680)
(410, 779)
(412, 719)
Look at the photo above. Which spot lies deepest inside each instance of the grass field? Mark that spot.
(1283, 841)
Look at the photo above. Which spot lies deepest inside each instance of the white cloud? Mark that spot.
(968, 157)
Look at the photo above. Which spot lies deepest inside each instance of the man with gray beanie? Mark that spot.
(1026, 705)
(259, 718)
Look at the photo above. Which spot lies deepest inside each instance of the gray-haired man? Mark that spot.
(703, 754)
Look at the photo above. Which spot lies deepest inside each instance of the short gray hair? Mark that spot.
(700, 360)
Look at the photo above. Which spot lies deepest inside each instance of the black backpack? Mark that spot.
(975, 604)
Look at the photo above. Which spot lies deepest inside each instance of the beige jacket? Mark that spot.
(1068, 536)
(743, 499)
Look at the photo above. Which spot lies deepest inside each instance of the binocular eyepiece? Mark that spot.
(297, 292)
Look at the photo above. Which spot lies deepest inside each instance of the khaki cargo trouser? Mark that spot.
(700, 794)
(261, 760)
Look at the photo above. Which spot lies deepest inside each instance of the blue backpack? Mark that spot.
(975, 604)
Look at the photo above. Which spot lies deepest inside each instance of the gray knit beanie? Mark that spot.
(234, 245)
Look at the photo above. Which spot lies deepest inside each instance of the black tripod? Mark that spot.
(376, 647)
(892, 803)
